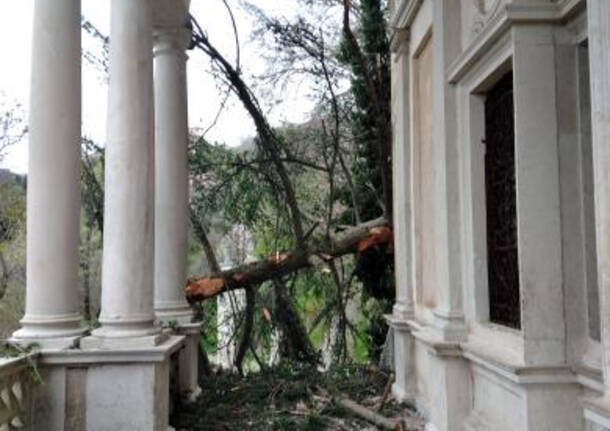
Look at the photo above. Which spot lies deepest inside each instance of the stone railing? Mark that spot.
(17, 382)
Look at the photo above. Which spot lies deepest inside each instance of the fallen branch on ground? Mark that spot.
(368, 414)
(386, 392)
(363, 412)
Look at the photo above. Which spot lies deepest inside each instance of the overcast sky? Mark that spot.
(234, 125)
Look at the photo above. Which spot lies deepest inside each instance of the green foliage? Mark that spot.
(12, 254)
(9, 350)
(287, 397)
(226, 183)
(92, 183)
(12, 212)
(368, 125)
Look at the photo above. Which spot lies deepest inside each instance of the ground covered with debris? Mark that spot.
(290, 397)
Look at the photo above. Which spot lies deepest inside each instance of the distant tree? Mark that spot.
(12, 125)
(12, 254)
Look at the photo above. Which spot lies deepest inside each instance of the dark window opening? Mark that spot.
(501, 205)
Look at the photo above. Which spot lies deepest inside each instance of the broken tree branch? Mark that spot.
(354, 240)
(368, 414)
(364, 412)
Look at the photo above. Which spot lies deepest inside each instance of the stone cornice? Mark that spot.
(405, 13)
(510, 14)
(428, 336)
(519, 373)
(477, 353)
(597, 410)
(104, 356)
(397, 323)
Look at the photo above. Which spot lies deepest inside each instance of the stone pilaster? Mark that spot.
(401, 155)
(599, 54)
(446, 45)
(597, 411)
(171, 179)
(52, 312)
(538, 203)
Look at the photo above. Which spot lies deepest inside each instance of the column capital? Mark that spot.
(170, 40)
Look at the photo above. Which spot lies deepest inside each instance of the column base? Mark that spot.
(124, 335)
(101, 342)
(49, 332)
(402, 312)
(403, 388)
(449, 326)
(401, 395)
(179, 312)
(116, 389)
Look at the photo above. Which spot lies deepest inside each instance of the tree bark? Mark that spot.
(384, 132)
(205, 242)
(354, 240)
(244, 343)
(295, 342)
(368, 414)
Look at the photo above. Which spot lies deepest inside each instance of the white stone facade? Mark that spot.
(119, 376)
(463, 371)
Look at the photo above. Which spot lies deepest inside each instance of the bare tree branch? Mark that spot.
(267, 138)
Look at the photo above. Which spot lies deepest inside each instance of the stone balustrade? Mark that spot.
(17, 385)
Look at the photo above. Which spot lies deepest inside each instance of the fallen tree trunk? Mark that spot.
(357, 239)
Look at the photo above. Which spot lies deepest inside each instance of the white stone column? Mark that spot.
(171, 179)
(128, 259)
(53, 196)
(599, 54)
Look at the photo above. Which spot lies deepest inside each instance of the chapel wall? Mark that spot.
(517, 377)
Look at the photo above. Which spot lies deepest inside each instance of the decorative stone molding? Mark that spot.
(399, 40)
(500, 21)
(485, 11)
(404, 13)
(170, 40)
(597, 414)
(16, 387)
